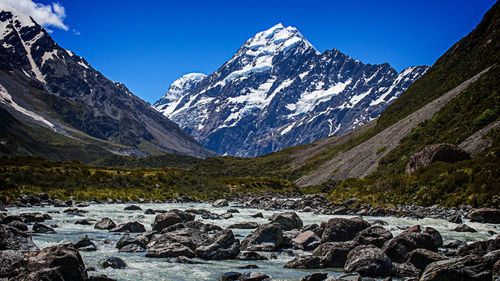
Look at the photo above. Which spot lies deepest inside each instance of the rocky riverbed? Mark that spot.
(246, 238)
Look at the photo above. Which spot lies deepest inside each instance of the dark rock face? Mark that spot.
(8, 259)
(59, 262)
(368, 261)
(107, 110)
(170, 218)
(335, 254)
(250, 256)
(288, 220)
(132, 208)
(221, 246)
(19, 225)
(132, 226)
(374, 235)
(464, 228)
(405, 270)
(399, 248)
(267, 237)
(466, 268)
(279, 91)
(127, 240)
(83, 242)
(106, 224)
(113, 262)
(436, 152)
(33, 217)
(12, 238)
(315, 277)
(341, 229)
(420, 258)
(245, 225)
(306, 262)
(485, 215)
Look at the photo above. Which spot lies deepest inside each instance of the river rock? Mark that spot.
(221, 246)
(464, 228)
(8, 259)
(307, 240)
(253, 276)
(113, 262)
(230, 276)
(318, 276)
(435, 152)
(288, 220)
(132, 208)
(220, 203)
(250, 256)
(480, 248)
(105, 224)
(83, 221)
(267, 237)
(470, 267)
(19, 225)
(169, 251)
(335, 254)
(453, 244)
(100, 277)
(257, 215)
(127, 240)
(399, 247)
(59, 262)
(306, 262)
(33, 217)
(84, 242)
(170, 218)
(420, 258)
(12, 238)
(131, 226)
(368, 260)
(342, 229)
(374, 235)
(245, 225)
(405, 270)
(485, 215)
(40, 228)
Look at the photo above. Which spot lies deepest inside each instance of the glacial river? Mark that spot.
(142, 268)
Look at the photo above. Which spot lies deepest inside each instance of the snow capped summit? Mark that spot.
(278, 91)
(176, 91)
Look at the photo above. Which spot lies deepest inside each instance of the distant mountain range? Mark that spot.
(55, 105)
(279, 91)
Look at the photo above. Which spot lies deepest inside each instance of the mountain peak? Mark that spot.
(18, 19)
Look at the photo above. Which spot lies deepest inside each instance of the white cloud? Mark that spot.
(46, 15)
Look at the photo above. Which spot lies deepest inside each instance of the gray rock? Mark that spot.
(267, 237)
(480, 248)
(221, 246)
(368, 261)
(306, 262)
(132, 208)
(420, 258)
(288, 220)
(470, 267)
(315, 277)
(341, 229)
(485, 215)
(245, 225)
(435, 152)
(170, 218)
(169, 251)
(250, 256)
(19, 225)
(8, 259)
(12, 238)
(464, 228)
(131, 226)
(105, 224)
(404, 270)
(399, 248)
(374, 235)
(113, 262)
(335, 254)
(82, 241)
(40, 228)
(220, 203)
(307, 241)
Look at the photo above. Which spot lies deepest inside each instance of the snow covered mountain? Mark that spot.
(279, 91)
(43, 86)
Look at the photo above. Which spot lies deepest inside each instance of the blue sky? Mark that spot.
(149, 44)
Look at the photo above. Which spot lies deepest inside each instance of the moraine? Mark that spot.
(143, 268)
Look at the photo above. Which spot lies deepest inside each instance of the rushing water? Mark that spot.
(142, 268)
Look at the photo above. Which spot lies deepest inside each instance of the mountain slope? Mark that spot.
(44, 85)
(278, 91)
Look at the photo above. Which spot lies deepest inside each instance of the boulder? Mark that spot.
(466, 268)
(405, 270)
(254, 276)
(342, 229)
(127, 240)
(257, 215)
(40, 228)
(480, 248)
(169, 251)
(8, 259)
(318, 276)
(485, 215)
(83, 242)
(307, 241)
(306, 262)
(113, 262)
(170, 218)
(368, 260)
(435, 152)
(132, 248)
(12, 238)
(374, 235)
(420, 258)
(245, 225)
(399, 247)
(230, 276)
(131, 226)
(100, 277)
(250, 256)
(59, 262)
(464, 228)
(84, 221)
(221, 246)
(33, 217)
(267, 237)
(105, 224)
(335, 254)
(132, 208)
(288, 220)
(19, 225)
(220, 203)
(453, 244)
